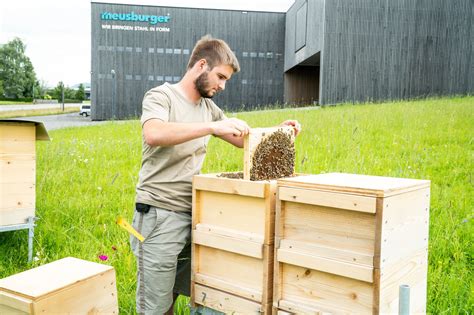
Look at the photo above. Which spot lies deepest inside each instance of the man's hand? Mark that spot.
(230, 126)
(293, 123)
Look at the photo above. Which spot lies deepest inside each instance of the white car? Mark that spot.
(85, 110)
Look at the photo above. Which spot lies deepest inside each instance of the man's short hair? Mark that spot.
(215, 51)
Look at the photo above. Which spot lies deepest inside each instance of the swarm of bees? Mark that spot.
(236, 175)
(273, 158)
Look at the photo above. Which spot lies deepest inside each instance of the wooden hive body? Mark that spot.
(232, 250)
(66, 286)
(18, 169)
(344, 243)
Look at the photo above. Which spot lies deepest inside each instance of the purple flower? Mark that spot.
(103, 257)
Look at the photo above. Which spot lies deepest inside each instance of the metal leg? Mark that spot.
(31, 234)
(404, 300)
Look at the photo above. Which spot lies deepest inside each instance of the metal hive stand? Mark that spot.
(30, 225)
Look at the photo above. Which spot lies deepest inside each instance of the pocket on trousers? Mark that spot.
(150, 222)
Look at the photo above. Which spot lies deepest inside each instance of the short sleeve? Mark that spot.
(217, 113)
(156, 105)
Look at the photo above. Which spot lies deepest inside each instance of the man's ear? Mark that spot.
(202, 64)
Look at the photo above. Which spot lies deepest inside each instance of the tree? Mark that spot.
(80, 93)
(16, 70)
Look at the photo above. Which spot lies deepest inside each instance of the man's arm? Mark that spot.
(160, 133)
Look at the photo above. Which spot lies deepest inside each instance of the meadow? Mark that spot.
(86, 178)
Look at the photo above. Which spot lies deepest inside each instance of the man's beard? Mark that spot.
(202, 85)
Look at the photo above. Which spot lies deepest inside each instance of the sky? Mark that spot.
(57, 32)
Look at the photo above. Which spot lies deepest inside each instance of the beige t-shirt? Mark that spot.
(165, 178)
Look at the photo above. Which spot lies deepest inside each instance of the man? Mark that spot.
(177, 122)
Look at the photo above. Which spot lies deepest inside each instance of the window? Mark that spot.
(269, 55)
(245, 54)
(176, 78)
(160, 50)
(159, 78)
(151, 50)
(169, 50)
(120, 48)
(128, 77)
(150, 78)
(138, 77)
(261, 55)
(168, 78)
(128, 49)
(185, 51)
(244, 81)
(138, 49)
(253, 55)
(177, 51)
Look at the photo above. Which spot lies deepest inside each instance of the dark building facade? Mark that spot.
(369, 50)
(323, 52)
(135, 48)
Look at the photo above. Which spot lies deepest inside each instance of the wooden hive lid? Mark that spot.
(46, 279)
(374, 186)
(41, 132)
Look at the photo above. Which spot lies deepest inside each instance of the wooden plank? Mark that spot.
(229, 287)
(267, 281)
(230, 244)
(210, 182)
(329, 199)
(336, 228)
(341, 268)
(252, 237)
(234, 212)
(242, 271)
(405, 226)
(305, 290)
(411, 271)
(254, 138)
(17, 147)
(17, 131)
(270, 204)
(374, 186)
(224, 302)
(277, 267)
(17, 168)
(343, 255)
(16, 216)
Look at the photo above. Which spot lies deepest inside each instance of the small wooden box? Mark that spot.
(232, 250)
(66, 286)
(18, 169)
(344, 243)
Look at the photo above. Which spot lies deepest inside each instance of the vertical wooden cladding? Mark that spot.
(344, 243)
(396, 50)
(259, 32)
(17, 172)
(233, 230)
(302, 85)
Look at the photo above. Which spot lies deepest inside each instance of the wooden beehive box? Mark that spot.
(344, 243)
(66, 286)
(232, 244)
(18, 169)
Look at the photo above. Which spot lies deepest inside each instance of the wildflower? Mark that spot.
(103, 257)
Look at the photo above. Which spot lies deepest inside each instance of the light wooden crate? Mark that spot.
(344, 243)
(66, 286)
(232, 250)
(18, 170)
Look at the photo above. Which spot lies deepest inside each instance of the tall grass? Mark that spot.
(86, 178)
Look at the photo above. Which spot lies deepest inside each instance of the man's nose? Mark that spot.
(221, 85)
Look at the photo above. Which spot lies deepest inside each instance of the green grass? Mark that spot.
(86, 178)
(37, 112)
(15, 103)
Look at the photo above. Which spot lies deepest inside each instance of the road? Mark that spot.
(52, 122)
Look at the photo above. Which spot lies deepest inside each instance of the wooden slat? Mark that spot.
(310, 291)
(329, 199)
(229, 186)
(233, 212)
(243, 271)
(18, 168)
(14, 304)
(230, 244)
(237, 234)
(224, 302)
(228, 287)
(17, 147)
(374, 186)
(343, 255)
(354, 271)
(336, 228)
